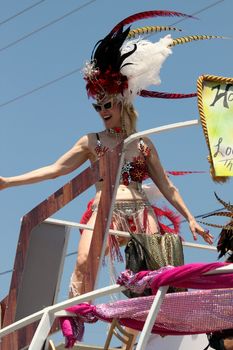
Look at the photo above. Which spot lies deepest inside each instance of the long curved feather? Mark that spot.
(212, 225)
(157, 94)
(221, 213)
(189, 38)
(228, 206)
(178, 173)
(149, 29)
(148, 14)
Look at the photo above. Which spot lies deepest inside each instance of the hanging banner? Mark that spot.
(215, 103)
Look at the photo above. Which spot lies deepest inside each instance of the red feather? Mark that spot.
(177, 173)
(173, 217)
(147, 14)
(157, 94)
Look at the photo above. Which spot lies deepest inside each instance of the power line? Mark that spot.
(45, 26)
(199, 11)
(21, 12)
(40, 87)
(193, 14)
(74, 253)
(5, 272)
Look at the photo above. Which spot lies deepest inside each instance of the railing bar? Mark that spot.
(60, 306)
(221, 270)
(21, 323)
(200, 246)
(122, 233)
(159, 129)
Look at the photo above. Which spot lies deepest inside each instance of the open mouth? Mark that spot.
(107, 117)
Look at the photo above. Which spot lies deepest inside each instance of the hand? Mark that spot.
(3, 183)
(197, 229)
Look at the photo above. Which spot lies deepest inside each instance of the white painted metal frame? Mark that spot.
(47, 315)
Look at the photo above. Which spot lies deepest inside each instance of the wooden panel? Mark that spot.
(104, 169)
(3, 308)
(108, 169)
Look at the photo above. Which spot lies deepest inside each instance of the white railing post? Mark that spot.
(42, 331)
(150, 320)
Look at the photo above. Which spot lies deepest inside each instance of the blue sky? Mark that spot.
(37, 127)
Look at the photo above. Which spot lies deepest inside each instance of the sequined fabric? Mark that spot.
(135, 170)
(194, 312)
(166, 249)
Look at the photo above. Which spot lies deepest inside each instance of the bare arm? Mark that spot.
(170, 192)
(67, 163)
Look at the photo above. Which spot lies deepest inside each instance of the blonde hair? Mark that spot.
(129, 118)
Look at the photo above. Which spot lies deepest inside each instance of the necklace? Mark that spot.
(116, 131)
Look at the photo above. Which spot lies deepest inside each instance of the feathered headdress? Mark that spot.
(225, 241)
(122, 64)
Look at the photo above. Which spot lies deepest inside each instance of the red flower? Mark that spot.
(110, 82)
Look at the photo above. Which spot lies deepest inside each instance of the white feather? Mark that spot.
(145, 63)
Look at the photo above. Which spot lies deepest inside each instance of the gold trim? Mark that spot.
(200, 83)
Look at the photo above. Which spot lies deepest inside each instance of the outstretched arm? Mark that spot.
(170, 192)
(67, 163)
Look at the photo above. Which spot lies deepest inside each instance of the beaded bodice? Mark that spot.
(133, 170)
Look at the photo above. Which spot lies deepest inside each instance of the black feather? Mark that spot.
(107, 54)
(225, 242)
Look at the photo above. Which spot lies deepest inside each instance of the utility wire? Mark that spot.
(40, 87)
(192, 14)
(74, 253)
(45, 26)
(20, 13)
(51, 82)
(5, 272)
(197, 12)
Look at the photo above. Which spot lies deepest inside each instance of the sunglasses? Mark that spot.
(100, 106)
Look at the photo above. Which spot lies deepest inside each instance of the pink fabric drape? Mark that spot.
(185, 276)
(201, 311)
